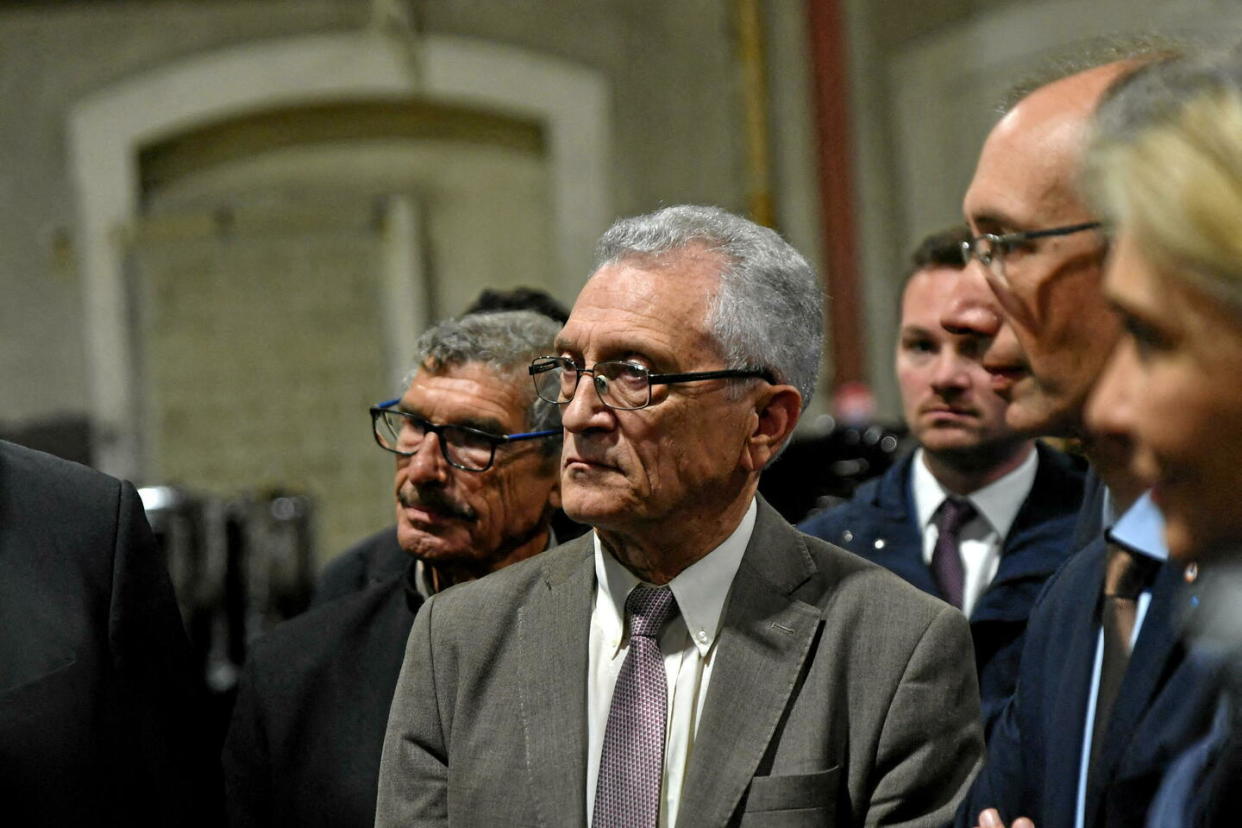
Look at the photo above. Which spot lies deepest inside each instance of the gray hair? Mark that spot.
(1074, 58)
(506, 341)
(768, 314)
(1165, 162)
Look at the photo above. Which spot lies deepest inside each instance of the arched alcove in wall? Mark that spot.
(109, 131)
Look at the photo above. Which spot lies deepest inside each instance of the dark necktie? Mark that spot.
(632, 760)
(1125, 576)
(946, 562)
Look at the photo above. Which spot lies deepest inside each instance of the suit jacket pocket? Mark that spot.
(792, 799)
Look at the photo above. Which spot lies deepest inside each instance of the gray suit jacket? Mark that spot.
(840, 695)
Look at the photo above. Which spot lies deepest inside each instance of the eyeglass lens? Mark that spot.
(404, 433)
(619, 384)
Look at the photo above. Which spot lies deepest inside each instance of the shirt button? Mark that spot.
(702, 636)
(879, 543)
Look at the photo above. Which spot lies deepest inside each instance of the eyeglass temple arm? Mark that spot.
(665, 379)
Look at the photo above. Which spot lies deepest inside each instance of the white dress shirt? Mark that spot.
(983, 536)
(688, 644)
(1140, 529)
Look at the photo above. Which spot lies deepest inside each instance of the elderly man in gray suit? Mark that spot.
(694, 660)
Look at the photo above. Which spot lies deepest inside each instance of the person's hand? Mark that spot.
(990, 818)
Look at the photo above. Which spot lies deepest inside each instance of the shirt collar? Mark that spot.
(998, 502)
(700, 589)
(1141, 529)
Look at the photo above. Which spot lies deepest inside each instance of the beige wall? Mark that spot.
(663, 124)
(927, 79)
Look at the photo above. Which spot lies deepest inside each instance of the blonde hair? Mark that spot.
(1165, 162)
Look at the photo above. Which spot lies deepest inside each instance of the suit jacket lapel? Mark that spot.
(1068, 696)
(556, 624)
(1156, 654)
(764, 640)
(900, 536)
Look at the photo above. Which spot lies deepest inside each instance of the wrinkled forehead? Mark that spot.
(932, 291)
(666, 299)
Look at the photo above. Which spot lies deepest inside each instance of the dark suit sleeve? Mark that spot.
(925, 761)
(413, 783)
(160, 753)
(1000, 782)
(246, 758)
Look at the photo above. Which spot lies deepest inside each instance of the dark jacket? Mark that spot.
(881, 524)
(1165, 702)
(96, 704)
(308, 728)
(372, 560)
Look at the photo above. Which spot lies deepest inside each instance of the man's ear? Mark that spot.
(777, 410)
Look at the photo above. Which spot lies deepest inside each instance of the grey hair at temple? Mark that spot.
(768, 314)
(506, 341)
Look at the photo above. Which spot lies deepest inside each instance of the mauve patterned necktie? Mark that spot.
(946, 562)
(632, 760)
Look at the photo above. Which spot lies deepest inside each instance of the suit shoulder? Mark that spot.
(36, 476)
(519, 578)
(829, 524)
(847, 577)
(323, 629)
(373, 559)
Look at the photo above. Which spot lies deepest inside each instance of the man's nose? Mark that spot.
(428, 465)
(586, 410)
(971, 309)
(950, 372)
(1110, 409)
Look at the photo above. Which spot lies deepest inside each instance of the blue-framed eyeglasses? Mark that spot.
(463, 447)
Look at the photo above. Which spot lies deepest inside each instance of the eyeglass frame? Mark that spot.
(544, 364)
(496, 440)
(970, 248)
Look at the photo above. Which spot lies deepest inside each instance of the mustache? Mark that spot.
(435, 500)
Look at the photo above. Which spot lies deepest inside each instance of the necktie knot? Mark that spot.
(649, 609)
(953, 515)
(1127, 574)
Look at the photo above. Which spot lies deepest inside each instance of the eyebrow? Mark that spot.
(479, 424)
(996, 219)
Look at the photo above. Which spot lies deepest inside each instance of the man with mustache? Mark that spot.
(476, 484)
(695, 660)
(977, 515)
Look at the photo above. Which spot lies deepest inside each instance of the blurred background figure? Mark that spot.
(976, 515)
(1165, 165)
(100, 723)
(477, 480)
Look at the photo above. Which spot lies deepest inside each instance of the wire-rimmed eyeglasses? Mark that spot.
(991, 249)
(625, 386)
(463, 447)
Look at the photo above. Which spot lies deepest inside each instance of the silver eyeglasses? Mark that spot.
(463, 447)
(991, 249)
(625, 386)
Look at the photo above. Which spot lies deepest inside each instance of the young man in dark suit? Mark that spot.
(476, 483)
(96, 704)
(1021, 498)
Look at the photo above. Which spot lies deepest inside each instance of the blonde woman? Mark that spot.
(1165, 166)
